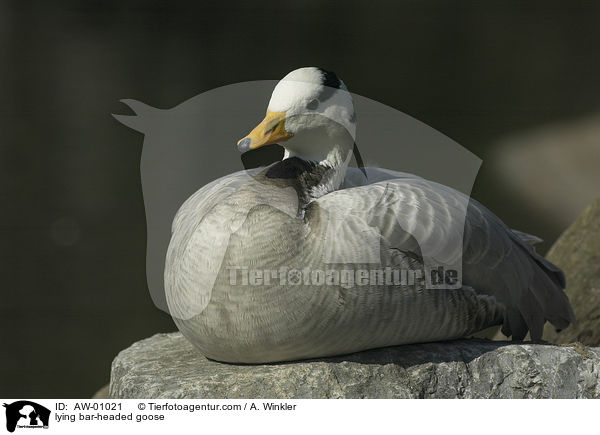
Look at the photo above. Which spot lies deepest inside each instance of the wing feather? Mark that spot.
(448, 227)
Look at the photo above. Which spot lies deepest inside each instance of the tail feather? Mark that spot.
(530, 239)
(514, 325)
(527, 241)
(533, 314)
(553, 271)
(545, 298)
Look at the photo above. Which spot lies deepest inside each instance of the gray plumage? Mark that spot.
(233, 222)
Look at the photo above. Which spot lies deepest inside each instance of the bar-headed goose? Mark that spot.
(309, 258)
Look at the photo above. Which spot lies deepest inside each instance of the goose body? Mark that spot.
(308, 222)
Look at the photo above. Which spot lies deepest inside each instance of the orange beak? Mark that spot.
(271, 130)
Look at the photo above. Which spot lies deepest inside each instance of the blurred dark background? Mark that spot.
(72, 223)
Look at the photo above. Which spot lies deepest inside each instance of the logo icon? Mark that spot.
(26, 414)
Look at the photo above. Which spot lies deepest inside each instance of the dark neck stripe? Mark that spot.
(299, 174)
(293, 167)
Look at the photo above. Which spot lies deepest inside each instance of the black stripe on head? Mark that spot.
(331, 82)
(330, 79)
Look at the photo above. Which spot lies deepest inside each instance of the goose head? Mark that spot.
(311, 115)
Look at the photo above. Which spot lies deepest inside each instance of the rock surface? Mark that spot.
(577, 252)
(167, 366)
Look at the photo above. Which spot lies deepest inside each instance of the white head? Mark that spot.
(311, 114)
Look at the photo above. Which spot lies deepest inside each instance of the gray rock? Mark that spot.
(577, 252)
(167, 366)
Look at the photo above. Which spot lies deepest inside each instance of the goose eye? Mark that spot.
(313, 104)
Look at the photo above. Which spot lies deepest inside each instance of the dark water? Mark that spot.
(72, 223)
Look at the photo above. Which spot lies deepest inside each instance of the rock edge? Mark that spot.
(167, 366)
